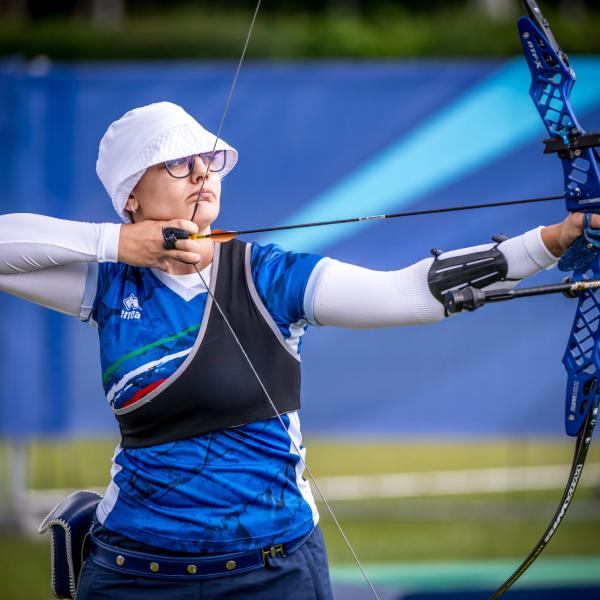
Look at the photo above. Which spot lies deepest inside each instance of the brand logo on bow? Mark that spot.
(536, 60)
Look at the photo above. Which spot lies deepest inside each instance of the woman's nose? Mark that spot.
(200, 170)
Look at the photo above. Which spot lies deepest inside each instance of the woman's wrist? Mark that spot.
(127, 246)
(552, 236)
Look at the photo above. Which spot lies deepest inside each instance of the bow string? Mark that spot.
(171, 235)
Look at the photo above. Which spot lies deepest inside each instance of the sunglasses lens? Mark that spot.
(180, 167)
(216, 159)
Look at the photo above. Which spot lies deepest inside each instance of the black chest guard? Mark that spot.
(214, 388)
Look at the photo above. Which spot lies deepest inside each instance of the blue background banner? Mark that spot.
(316, 141)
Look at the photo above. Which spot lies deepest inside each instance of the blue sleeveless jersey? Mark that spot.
(232, 490)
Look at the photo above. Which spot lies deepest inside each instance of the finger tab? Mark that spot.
(171, 235)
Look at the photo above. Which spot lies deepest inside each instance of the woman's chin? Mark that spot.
(204, 220)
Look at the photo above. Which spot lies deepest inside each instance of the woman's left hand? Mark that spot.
(557, 238)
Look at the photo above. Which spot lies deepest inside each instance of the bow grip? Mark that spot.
(582, 252)
(591, 235)
(582, 389)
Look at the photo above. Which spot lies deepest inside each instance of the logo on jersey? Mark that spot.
(132, 308)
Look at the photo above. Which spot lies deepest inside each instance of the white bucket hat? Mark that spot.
(148, 136)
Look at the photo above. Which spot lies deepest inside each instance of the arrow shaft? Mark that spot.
(409, 213)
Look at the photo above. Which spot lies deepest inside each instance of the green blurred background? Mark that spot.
(418, 542)
(120, 29)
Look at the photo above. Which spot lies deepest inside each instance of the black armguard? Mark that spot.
(476, 269)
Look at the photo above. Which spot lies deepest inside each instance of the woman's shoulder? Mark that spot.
(274, 256)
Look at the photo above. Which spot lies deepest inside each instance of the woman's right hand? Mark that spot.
(141, 244)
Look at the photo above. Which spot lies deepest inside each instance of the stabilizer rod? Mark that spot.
(471, 298)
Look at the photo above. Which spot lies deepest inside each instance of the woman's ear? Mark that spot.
(131, 207)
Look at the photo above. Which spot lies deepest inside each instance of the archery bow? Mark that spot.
(552, 82)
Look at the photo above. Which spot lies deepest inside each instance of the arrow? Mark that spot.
(221, 235)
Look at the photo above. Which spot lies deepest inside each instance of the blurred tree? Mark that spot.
(111, 11)
(575, 8)
(347, 6)
(498, 9)
(41, 9)
(14, 10)
(108, 12)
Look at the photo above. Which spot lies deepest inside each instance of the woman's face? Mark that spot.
(160, 197)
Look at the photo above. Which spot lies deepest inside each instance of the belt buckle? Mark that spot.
(273, 551)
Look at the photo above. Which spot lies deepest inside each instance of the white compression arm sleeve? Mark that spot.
(47, 261)
(345, 295)
(32, 242)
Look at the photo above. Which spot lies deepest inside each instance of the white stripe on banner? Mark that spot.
(448, 483)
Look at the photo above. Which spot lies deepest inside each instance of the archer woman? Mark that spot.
(200, 349)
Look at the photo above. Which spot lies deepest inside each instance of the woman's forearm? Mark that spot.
(59, 288)
(349, 296)
(31, 242)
